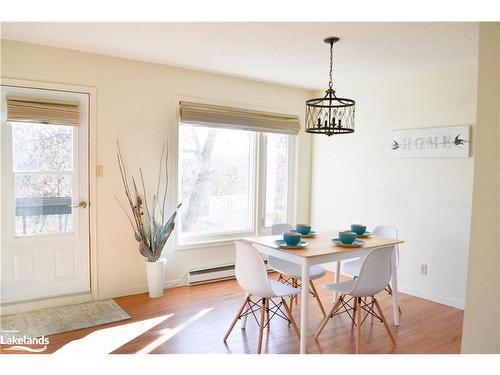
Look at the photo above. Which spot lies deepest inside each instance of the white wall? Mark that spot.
(136, 104)
(481, 332)
(429, 200)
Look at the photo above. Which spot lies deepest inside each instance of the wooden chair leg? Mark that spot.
(267, 314)
(290, 317)
(371, 315)
(261, 328)
(334, 309)
(292, 297)
(316, 295)
(354, 309)
(238, 315)
(358, 326)
(383, 321)
(295, 297)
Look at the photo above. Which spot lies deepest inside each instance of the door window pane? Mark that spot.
(41, 147)
(42, 160)
(216, 180)
(276, 179)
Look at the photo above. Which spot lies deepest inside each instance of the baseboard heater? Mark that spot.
(214, 274)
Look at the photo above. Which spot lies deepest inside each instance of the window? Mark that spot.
(217, 179)
(42, 164)
(276, 206)
(231, 182)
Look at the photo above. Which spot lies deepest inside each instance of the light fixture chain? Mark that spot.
(330, 84)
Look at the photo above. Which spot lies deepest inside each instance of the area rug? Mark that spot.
(50, 321)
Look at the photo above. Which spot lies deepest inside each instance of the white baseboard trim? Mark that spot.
(123, 292)
(138, 289)
(425, 294)
(432, 296)
(18, 307)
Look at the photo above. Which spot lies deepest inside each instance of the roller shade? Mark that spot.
(236, 118)
(41, 110)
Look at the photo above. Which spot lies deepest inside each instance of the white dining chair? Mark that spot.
(251, 275)
(373, 277)
(291, 273)
(352, 267)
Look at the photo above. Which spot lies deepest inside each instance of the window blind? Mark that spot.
(41, 110)
(236, 118)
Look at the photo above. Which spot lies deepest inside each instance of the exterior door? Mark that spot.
(44, 207)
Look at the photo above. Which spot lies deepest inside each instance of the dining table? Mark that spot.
(321, 249)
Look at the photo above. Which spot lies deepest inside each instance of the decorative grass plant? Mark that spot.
(152, 228)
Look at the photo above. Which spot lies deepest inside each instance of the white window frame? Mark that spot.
(261, 211)
(258, 196)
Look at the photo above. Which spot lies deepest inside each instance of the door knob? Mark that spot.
(82, 204)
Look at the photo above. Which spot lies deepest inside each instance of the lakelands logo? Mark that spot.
(20, 343)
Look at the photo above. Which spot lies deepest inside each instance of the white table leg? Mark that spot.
(337, 278)
(304, 301)
(244, 319)
(394, 285)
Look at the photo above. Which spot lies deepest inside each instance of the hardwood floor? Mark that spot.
(195, 319)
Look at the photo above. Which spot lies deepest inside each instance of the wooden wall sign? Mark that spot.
(442, 142)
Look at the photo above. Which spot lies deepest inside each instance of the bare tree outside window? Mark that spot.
(216, 180)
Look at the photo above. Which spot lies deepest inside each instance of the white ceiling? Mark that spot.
(291, 53)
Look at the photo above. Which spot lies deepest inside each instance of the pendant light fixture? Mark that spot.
(330, 115)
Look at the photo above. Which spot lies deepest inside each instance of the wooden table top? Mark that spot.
(322, 244)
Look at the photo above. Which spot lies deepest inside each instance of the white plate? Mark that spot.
(282, 244)
(364, 235)
(311, 234)
(356, 243)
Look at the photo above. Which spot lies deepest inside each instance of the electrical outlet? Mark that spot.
(423, 269)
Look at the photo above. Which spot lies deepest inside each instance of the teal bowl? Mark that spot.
(291, 238)
(303, 228)
(347, 237)
(358, 228)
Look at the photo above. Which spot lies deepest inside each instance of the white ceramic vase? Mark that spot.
(155, 272)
